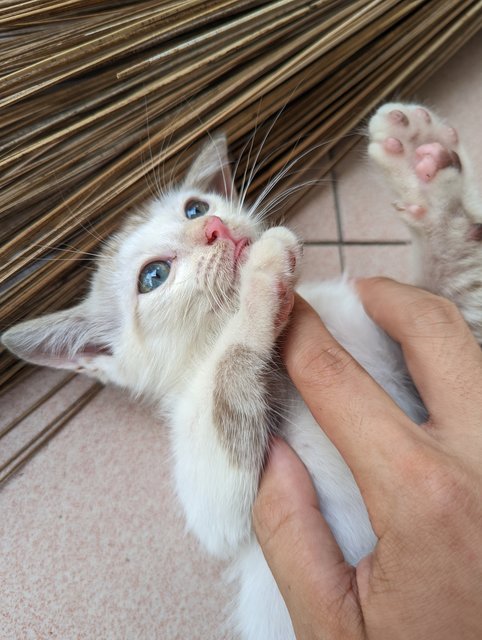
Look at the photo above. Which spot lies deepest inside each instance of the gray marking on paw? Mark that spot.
(240, 411)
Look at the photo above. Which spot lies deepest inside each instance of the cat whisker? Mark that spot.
(284, 417)
(88, 230)
(286, 170)
(255, 166)
(60, 250)
(172, 174)
(250, 143)
(282, 196)
(216, 297)
(221, 164)
(158, 191)
(63, 260)
(278, 177)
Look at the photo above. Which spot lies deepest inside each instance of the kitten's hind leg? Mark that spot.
(430, 173)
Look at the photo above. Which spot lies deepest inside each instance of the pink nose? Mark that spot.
(216, 229)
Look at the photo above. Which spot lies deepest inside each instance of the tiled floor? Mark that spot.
(91, 538)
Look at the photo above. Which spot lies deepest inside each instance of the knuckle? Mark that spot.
(446, 490)
(324, 364)
(432, 313)
(437, 483)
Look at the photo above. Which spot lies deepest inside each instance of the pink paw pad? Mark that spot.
(416, 211)
(423, 114)
(398, 117)
(393, 145)
(433, 157)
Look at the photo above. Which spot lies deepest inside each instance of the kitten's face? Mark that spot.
(178, 278)
(164, 285)
(189, 246)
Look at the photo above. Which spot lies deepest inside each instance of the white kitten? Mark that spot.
(186, 306)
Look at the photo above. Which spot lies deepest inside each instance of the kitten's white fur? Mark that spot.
(183, 345)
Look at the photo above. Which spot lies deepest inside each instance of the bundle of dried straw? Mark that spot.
(98, 99)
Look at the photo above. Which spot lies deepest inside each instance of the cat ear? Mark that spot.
(210, 171)
(64, 340)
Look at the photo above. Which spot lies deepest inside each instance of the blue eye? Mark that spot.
(153, 275)
(195, 209)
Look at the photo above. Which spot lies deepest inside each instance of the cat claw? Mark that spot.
(416, 211)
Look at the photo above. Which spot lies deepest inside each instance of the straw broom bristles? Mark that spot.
(98, 99)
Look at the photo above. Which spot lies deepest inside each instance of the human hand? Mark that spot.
(422, 485)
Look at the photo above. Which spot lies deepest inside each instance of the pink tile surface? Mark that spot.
(320, 263)
(23, 395)
(38, 420)
(92, 541)
(365, 201)
(387, 260)
(314, 219)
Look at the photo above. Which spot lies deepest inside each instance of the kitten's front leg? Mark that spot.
(221, 424)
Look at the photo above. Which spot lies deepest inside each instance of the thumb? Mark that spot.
(317, 585)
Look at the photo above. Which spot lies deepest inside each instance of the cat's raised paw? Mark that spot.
(408, 139)
(278, 250)
(420, 155)
(268, 279)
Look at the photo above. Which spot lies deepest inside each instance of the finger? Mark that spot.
(442, 355)
(306, 562)
(366, 426)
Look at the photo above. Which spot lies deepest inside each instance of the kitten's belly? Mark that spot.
(340, 500)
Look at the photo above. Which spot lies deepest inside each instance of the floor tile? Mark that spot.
(393, 261)
(34, 424)
(365, 201)
(320, 263)
(314, 219)
(22, 396)
(93, 544)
